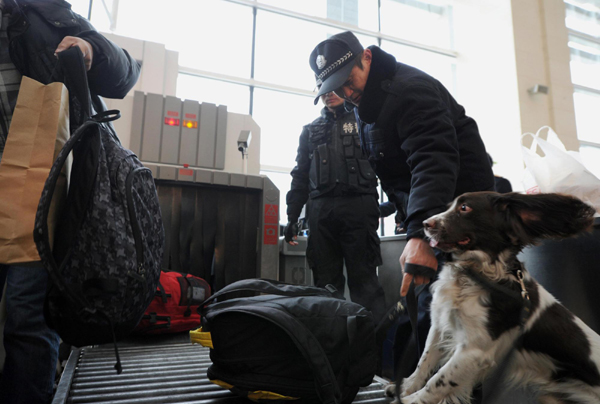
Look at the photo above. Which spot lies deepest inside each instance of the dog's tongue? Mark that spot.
(433, 243)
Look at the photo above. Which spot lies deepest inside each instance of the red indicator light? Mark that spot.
(171, 121)
(190, 124)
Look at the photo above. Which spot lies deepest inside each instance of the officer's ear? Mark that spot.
(367, 57)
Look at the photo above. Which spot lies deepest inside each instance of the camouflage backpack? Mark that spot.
(105, 263)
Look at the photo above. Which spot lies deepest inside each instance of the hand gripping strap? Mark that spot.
(415, 269)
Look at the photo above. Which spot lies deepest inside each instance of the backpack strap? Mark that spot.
(41, 233)
(304, 340)
(308, 345)
(72, 67)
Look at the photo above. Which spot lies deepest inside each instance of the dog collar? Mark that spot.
(522, 296)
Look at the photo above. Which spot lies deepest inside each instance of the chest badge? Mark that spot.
(350, 127)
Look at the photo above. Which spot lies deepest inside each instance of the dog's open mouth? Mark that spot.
(448, 246)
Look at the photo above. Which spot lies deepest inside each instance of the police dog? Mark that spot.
(485, 304)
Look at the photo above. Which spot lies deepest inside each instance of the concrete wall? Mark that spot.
(542, 55)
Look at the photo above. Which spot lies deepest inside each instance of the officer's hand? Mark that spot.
(86, 48)
(417, 251)
(291, 233)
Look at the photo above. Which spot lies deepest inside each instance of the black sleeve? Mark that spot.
(429, 140)
(298, 193)
(114, 72)
(386, 208)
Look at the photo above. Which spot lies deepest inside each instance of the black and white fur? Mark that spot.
(473, 329)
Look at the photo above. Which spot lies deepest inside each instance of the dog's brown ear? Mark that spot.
(539, 216)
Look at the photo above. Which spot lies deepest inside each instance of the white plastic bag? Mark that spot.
(558, 170)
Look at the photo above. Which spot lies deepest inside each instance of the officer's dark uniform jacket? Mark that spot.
(38, 26)
(419, 140)
(329, 162)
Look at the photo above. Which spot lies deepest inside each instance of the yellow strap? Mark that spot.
(256, 395)
(268, 395)
(200, 337)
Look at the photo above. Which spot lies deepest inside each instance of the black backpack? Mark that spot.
(105, 263)
(296, 343)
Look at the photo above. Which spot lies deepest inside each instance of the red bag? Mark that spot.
(175, 304)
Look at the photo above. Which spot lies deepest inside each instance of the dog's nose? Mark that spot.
(429, 224)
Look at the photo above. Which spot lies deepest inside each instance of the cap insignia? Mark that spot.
(321, 62)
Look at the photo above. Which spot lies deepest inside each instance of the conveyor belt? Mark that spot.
(161, 374)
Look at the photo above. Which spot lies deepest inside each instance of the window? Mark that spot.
(439, 66)
(426, 22)
(235, 96)
(283, 46)
(253, 55)
(583, 16)
(591, 157)
(209, 35)
(583, 22)
(587, 106)
(80, 7)
(585, 62)
(281, 117)
(361, 13)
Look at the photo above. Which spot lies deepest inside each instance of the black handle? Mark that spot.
(74, 72)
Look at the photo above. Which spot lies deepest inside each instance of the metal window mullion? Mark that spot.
(590, 144)
(379, 22)
(252, 60)
(344, 26)
(583, 35)
(243, 81)
(586, 89)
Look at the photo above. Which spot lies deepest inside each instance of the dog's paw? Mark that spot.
(409, 386)
(390, 389)
(414, 398)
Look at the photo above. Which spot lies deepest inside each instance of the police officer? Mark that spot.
(418, 139)
(343, 212)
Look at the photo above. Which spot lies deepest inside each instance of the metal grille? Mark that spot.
(173, 373)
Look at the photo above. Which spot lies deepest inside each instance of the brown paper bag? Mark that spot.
(39, 129)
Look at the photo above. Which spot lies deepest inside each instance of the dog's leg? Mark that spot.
(455, 380)
(428, 364)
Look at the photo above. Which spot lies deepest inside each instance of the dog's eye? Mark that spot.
(465, 208)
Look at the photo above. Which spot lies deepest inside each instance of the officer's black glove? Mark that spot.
(291, 231)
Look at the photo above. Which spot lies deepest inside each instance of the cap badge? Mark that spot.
(321, 62)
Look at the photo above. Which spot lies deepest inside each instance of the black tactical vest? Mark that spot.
(337, 160)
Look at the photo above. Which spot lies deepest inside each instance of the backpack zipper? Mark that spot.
(135, 228)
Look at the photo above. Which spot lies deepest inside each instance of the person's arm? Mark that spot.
(386, 208)
(298, 194)
(113, 71)
(429, 140)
